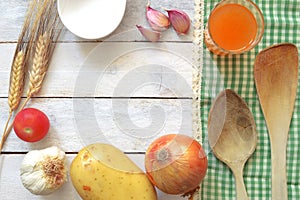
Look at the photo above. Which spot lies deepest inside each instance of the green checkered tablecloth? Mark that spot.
(282, 24)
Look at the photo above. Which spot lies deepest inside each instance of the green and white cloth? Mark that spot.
(282, 24)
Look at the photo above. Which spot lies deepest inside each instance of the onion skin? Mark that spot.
(176, 164)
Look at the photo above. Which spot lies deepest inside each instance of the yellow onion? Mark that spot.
(176, 164)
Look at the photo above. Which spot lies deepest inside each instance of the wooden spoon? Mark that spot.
(232, 135)
(276, 79)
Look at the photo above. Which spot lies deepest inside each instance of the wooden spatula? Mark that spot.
(276, 79)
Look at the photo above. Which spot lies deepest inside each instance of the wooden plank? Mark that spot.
(11, 187)
(13, 12)
(129, 124)
(112, 69)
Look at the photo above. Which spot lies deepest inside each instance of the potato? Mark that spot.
(103, 172)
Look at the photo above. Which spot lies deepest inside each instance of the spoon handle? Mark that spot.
(237, 169)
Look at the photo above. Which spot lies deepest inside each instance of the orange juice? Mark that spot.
(232, 27)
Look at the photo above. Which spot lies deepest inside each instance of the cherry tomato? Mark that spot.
(31, 125)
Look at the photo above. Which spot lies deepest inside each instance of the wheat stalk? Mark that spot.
(48, 30)
(41, 28)
(18, 68)
(15, 88)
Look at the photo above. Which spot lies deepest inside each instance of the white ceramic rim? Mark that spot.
(91, 19)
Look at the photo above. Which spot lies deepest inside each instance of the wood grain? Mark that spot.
(99, 69)
(129, 124)
(276, 80)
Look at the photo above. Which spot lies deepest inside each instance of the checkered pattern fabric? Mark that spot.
(282, 24)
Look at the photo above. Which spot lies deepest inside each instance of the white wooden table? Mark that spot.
(125, 91)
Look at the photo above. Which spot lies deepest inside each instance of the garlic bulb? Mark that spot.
(44, 171)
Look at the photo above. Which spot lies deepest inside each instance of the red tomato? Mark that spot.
(31, 125)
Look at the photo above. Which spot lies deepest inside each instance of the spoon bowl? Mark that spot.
(232, 135)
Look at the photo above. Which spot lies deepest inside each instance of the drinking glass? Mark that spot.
(234, 27)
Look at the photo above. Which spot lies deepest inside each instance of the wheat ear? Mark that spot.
(18, 68)
(16, 82)
(40, 65)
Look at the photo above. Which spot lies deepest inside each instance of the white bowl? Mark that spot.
(91, 19)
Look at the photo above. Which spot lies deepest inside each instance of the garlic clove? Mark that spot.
(180, 21)
(149, 34)
(44, 171)
(157, 20)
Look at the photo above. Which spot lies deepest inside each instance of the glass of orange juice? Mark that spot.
(234, 27)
